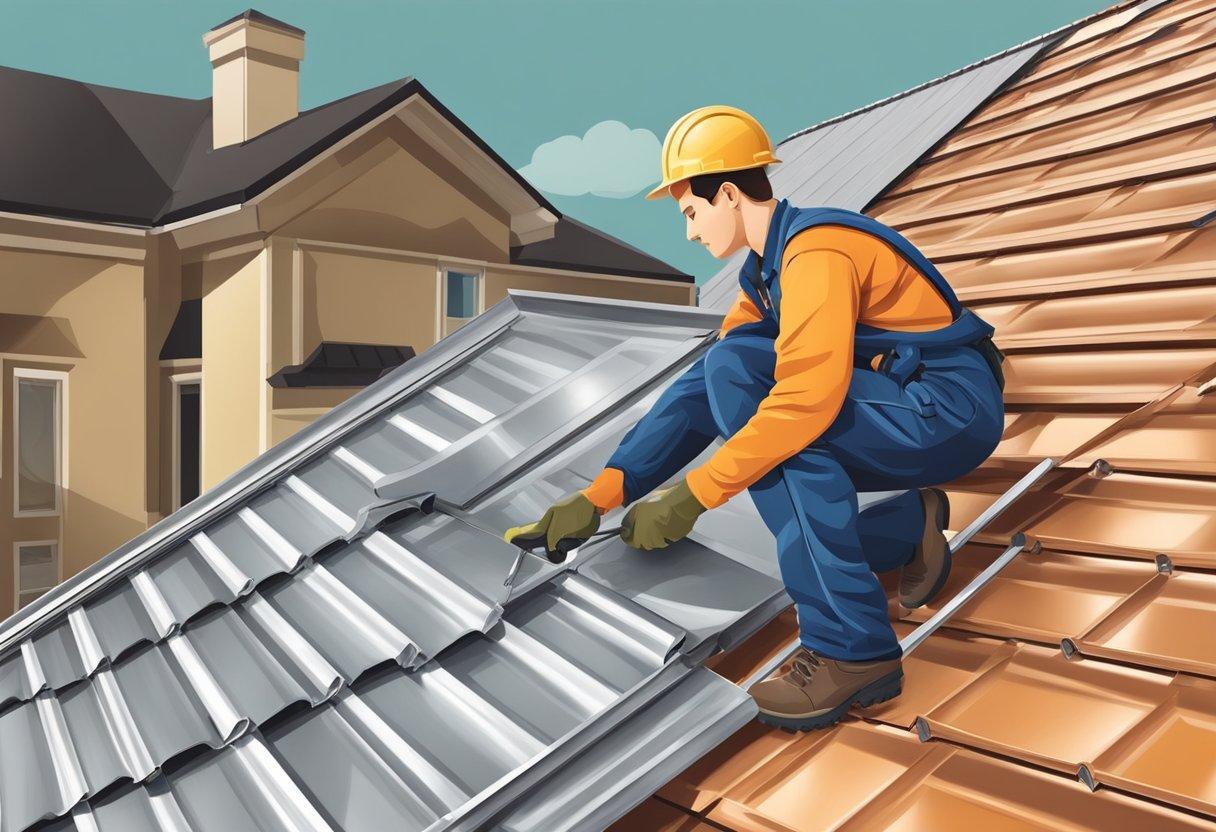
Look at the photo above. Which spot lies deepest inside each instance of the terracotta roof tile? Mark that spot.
(1167, 623)
(1045, 596)
(1159, 41)
(1040, 707)
(1165, 155)
(821, 779)
(1177, 437)
(1134, 515)
(1161, 79)
(968, 791)
(1184, 109)
(1168, 756)
(937, 670)
(1087, 42)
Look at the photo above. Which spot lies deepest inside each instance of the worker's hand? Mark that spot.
(573, 516)
(662, 518)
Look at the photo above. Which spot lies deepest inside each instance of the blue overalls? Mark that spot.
(933, 412)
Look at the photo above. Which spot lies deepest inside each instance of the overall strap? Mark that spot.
(807, 217)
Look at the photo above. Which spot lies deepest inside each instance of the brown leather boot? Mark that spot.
(925, 575)
(817, 691)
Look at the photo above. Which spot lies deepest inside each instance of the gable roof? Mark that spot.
(89, 152)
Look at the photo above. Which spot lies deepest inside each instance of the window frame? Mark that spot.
(176, 382)
(479, 275)
(22, 544)
(61, 432)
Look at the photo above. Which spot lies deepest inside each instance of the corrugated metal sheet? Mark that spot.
(846, 163)
(319, 639)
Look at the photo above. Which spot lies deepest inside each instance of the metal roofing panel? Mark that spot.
(667, 735)
(847, 163)
(244, 618)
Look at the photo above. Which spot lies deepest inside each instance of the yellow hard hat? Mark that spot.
(712, 139)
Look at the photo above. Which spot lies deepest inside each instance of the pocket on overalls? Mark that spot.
(903, 366)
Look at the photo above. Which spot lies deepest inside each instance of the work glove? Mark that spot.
(662, 518)
(573, 516)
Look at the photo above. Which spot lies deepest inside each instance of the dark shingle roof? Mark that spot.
(88, 152)
(254, 14)
(578, 246)
(342, 364)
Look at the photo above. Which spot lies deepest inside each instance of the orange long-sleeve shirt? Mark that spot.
(831, 278)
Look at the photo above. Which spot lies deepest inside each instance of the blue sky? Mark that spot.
(523, 73)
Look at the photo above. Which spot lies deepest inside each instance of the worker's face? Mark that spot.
(717, 225)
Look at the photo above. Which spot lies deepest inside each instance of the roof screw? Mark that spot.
(1035, 548)
(1069, 648)
(1165, 566)
(1101, 469)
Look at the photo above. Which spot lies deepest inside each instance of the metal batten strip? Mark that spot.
(1001, 503)
(911, 641)
(956, 543)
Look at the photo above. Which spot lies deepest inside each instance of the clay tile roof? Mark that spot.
(1077, 689)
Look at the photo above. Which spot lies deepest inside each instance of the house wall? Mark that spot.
(96, 304)
(232, 363)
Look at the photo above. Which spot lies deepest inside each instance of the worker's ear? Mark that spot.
(728, 196)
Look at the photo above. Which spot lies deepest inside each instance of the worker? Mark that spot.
(845, 364)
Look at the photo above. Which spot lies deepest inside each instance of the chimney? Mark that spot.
(255, 76)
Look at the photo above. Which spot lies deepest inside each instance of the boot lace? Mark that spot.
(805, 665)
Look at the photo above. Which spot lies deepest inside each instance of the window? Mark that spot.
(38, 441)
(187, 438)
(462, 298)
(35, 569)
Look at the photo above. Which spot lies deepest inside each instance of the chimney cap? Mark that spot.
(259, 17)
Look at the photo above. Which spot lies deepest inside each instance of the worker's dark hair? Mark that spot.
(753, 182)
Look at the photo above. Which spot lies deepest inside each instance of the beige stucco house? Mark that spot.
(185, 283)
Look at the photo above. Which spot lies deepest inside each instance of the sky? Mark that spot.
(577, 94)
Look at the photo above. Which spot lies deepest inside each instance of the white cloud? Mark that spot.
(610, 160)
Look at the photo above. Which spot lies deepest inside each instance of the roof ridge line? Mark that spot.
(1117, 7)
